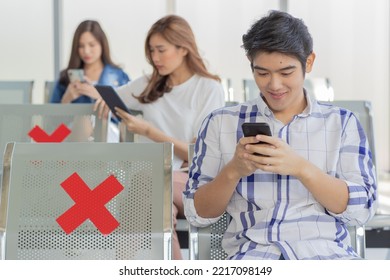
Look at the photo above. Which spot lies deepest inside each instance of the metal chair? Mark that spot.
(16, 92)
(43, 181)
(251, 91)
(321, 88)
(49, 87)
(17, 120)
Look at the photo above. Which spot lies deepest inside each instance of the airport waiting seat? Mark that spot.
(88, 201)
(48, 91)
(251, 91)
(319, 87)
(17, 120)
(16, 92)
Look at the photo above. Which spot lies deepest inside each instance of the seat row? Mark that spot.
(35, 172)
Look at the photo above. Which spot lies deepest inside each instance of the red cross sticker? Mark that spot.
(40, 136)
(89, 204)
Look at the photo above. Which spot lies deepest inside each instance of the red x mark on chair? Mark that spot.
(40, 136)
(90, 204)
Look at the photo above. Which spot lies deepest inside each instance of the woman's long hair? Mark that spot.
(178, 32)
(75, 60)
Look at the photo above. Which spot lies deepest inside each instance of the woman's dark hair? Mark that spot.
(75, 60)
(279, 32)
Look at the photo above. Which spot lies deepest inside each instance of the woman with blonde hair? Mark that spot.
(174, 99)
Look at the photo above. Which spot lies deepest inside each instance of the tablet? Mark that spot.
(111, 98)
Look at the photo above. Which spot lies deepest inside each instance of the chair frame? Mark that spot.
(48, 91)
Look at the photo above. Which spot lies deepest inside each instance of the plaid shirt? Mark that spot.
(274, 214)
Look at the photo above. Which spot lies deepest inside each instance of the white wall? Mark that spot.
(124, 22)
(219, 29)
(26, 44)
(351, 39)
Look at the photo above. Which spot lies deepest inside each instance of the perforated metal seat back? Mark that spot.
(205, 243)
(17, 121)
(36, 200)
(210, 239)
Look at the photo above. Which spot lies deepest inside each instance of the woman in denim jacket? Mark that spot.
(90, 52)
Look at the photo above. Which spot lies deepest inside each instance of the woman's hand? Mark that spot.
(134, 124)
(71, 93)
(86, 88)
(101, 107)
(77, 89)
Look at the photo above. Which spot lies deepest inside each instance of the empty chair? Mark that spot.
(49, 87)
(231, 103)
(320, 88)
(16, 92)
(87, 201)
(228, 89)
(25, 123)
(251, 91)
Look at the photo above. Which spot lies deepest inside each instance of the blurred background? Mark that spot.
(351, 41)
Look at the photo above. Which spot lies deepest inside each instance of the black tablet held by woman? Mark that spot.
(111, 98)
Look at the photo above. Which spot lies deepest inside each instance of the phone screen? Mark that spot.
(253, 129)
(76, 75)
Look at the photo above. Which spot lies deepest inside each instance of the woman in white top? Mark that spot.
(174, 99)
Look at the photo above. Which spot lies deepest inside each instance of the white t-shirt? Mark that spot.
(180, 112)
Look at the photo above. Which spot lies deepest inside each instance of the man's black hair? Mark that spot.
(279, 32)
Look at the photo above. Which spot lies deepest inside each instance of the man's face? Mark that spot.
(280, 79)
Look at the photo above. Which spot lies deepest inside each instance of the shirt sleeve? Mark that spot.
(356, 168)
(131, 89)
(210, 99)
(205, 166)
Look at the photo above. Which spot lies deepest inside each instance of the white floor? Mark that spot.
(384, 194)
(185, 254)
(377, 254)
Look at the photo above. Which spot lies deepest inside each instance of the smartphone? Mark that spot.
(253, 129)
(112, 99)
(76, 75)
